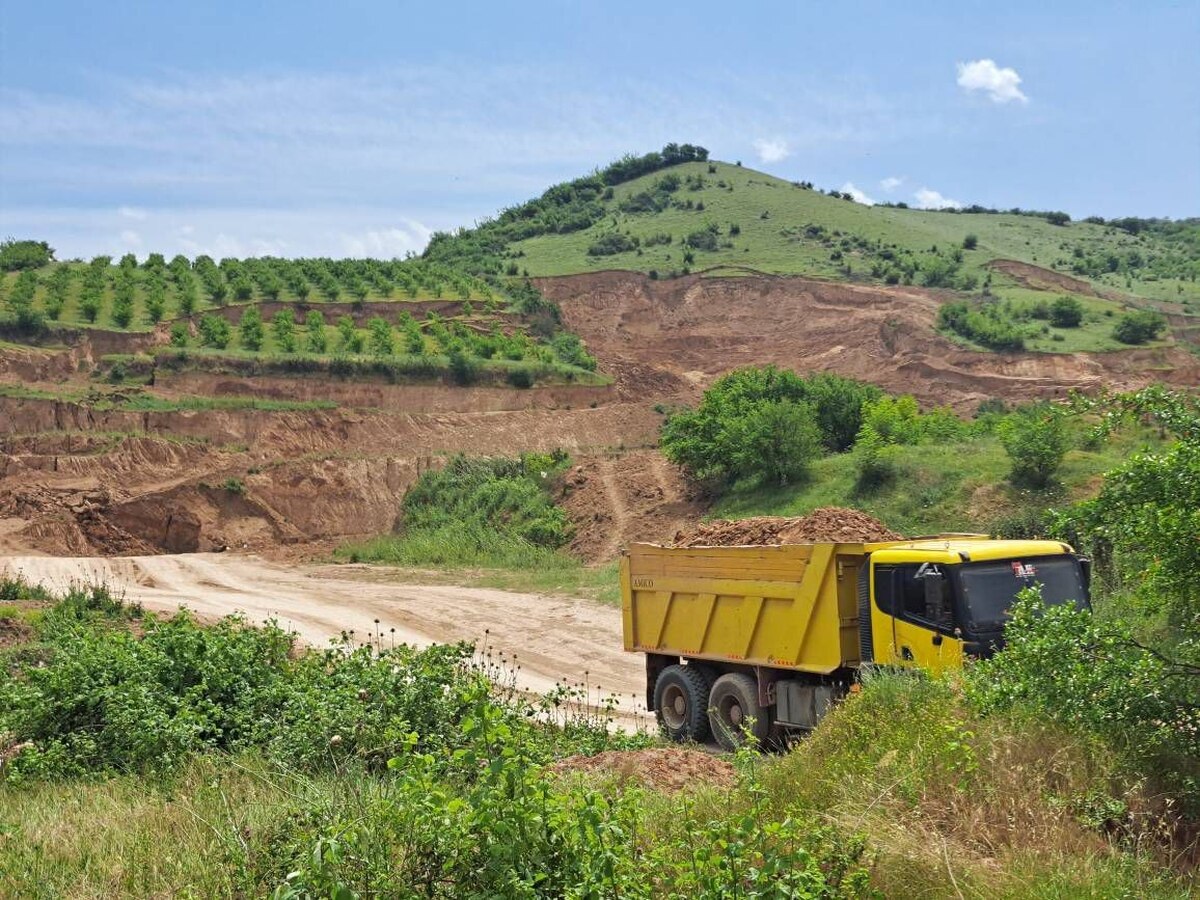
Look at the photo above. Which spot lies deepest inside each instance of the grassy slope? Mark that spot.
(762, 245)
(952, 487)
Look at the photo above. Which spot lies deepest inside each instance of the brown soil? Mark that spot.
(828, 524)
(668, 769)
(678, 335)
(614, 500)
(71, 484)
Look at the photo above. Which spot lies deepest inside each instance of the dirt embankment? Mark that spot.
(675, 336)
(616, 499)
(81, 480)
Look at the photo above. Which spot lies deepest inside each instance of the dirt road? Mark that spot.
(552, 640)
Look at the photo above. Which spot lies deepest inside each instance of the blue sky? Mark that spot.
(356, 128)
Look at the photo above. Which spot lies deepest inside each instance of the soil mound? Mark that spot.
(666, 769)
(828, 524)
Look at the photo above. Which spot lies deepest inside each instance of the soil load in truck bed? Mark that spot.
(829, 524)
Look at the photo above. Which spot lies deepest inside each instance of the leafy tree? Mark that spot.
(123, 299)
(17, 255)
(349, 339)
(464, 366)
(24, 314)
(1139, 327)
(1066, 312)
(188, 295)
(251, 333)
(283, 328)
(763, 409)
(156, 298)
(215, 332)
(314, 324)
(970, 242)
(1035, 439)
(179, 334)
(381, 338)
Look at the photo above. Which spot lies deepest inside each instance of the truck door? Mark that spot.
(912, 615)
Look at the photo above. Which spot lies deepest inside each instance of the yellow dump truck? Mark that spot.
(763, 639)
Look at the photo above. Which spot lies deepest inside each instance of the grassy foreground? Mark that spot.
(407, 775)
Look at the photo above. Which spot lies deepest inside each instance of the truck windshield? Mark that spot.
(989, 588)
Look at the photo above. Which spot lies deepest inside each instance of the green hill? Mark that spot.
(665, 219)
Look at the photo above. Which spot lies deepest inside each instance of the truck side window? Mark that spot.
(899, 592)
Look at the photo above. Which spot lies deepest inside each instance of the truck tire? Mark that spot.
(731, 705)
(681, 702)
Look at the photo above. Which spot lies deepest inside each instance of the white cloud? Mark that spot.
(131, 212)
(927, 198)
(771, 150)
(890, 183)
(224, 231)
(1002, 85)
(857, 194)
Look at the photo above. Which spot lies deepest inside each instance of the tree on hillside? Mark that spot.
(1066, 312)
(382, 339)
(283, 327)
(314, 324)
(214, 332)
(1035, 439)
(17, 255)
(250, 329)
(1139, 327)
(748, 416)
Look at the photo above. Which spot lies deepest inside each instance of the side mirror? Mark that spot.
(937, 607)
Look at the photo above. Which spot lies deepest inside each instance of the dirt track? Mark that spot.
(554, 640)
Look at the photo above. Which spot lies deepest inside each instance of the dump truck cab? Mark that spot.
(931, 602)
(762, 640)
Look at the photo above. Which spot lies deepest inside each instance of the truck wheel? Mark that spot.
(731, 706)
(681, 702)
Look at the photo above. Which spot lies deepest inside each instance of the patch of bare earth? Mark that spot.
(666, 769)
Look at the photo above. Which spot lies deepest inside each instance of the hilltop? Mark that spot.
(719, 219)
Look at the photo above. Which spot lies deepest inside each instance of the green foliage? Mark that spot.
(611, 244)
(1139, 327)
(21, 311)
(382, 338)
(571, 351)
(1035, 439)
(103, 700)
(1097, 676)
(214, 332)
(283, 329)
(1066, 312)
(509, 497)
(17, 255)
(464, 366)
(314, 326)
(985, 326)
(970, 241)
(251, 332)
(179, 334)
(349, 339)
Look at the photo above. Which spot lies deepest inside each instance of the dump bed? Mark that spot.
(793, 606)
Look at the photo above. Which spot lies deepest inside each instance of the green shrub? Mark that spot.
(23, 255)
(988, 327)
(214, 332)
(1035, 439)
(1139, 327)
(283, 329)
(464, 367)
(611, 244)
(765, 409)
(1066, 312)
(250, 329)
(970, 242)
